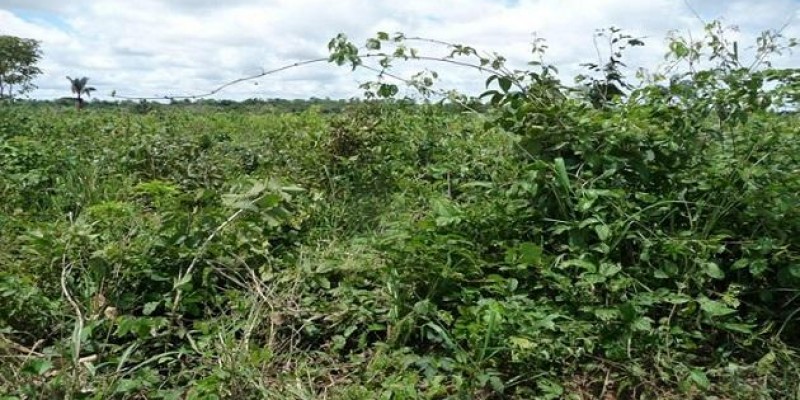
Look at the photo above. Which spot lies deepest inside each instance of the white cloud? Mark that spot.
(157, 48)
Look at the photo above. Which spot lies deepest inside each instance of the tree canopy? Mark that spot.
(18, 58)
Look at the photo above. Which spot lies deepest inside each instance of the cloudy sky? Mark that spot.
(184, 47)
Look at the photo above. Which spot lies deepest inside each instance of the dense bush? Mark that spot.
(635, 242)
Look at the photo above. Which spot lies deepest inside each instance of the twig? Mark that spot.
(411, 83)
(787, 321)
(694, 12)
(230, 83)
(314, 61)
(29, 351)
(606, 384)
(760, 58)
(88, 359)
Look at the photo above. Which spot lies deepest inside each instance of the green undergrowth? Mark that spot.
(556, 246)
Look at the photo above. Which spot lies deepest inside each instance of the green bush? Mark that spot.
(605, 240)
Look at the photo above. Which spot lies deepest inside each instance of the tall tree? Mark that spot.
(18, 58)
(79, 88)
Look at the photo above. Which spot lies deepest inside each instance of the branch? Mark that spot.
(225, 85)
(315, 61)
(410, 82)
(29, 351)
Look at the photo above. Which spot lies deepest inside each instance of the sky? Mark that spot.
(186, 47)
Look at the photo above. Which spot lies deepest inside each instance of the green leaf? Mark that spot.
(740, 328)
(373, 44)
(677, 298)
(713, 270)
(714, 308)
(530, 253)
(271, 220)
(496, 384)
(548, 322)
(606, 314)
(660, 274)
(591, 279)
(244, 205)
(489, 81)
(38, 366)
(125, 356)
(128, 385)
(550, 389)
(609, 270)
(182, 281)
(699, 377)
(582, 264)
(505, 83)
(758, 267)
(642, 324)
(292, 189)
(766, 364)
(561, 174)
(602, 232)
(440, 334)
(324, 282)
(255, 190)
(740, 263)
(521, 343)
(387, 90)
(150, 307)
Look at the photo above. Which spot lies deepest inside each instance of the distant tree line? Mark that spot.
(18, 69)
(276, 105)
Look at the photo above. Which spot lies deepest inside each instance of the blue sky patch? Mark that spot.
(41, 18)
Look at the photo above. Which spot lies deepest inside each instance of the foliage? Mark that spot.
(18, 58)
(567, 243)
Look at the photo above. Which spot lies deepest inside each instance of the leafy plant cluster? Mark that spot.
(18, 58)
(605, 240)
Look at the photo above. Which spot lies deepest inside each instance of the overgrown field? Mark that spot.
(556, 246)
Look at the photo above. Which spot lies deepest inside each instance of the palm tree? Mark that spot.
(79, 88)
